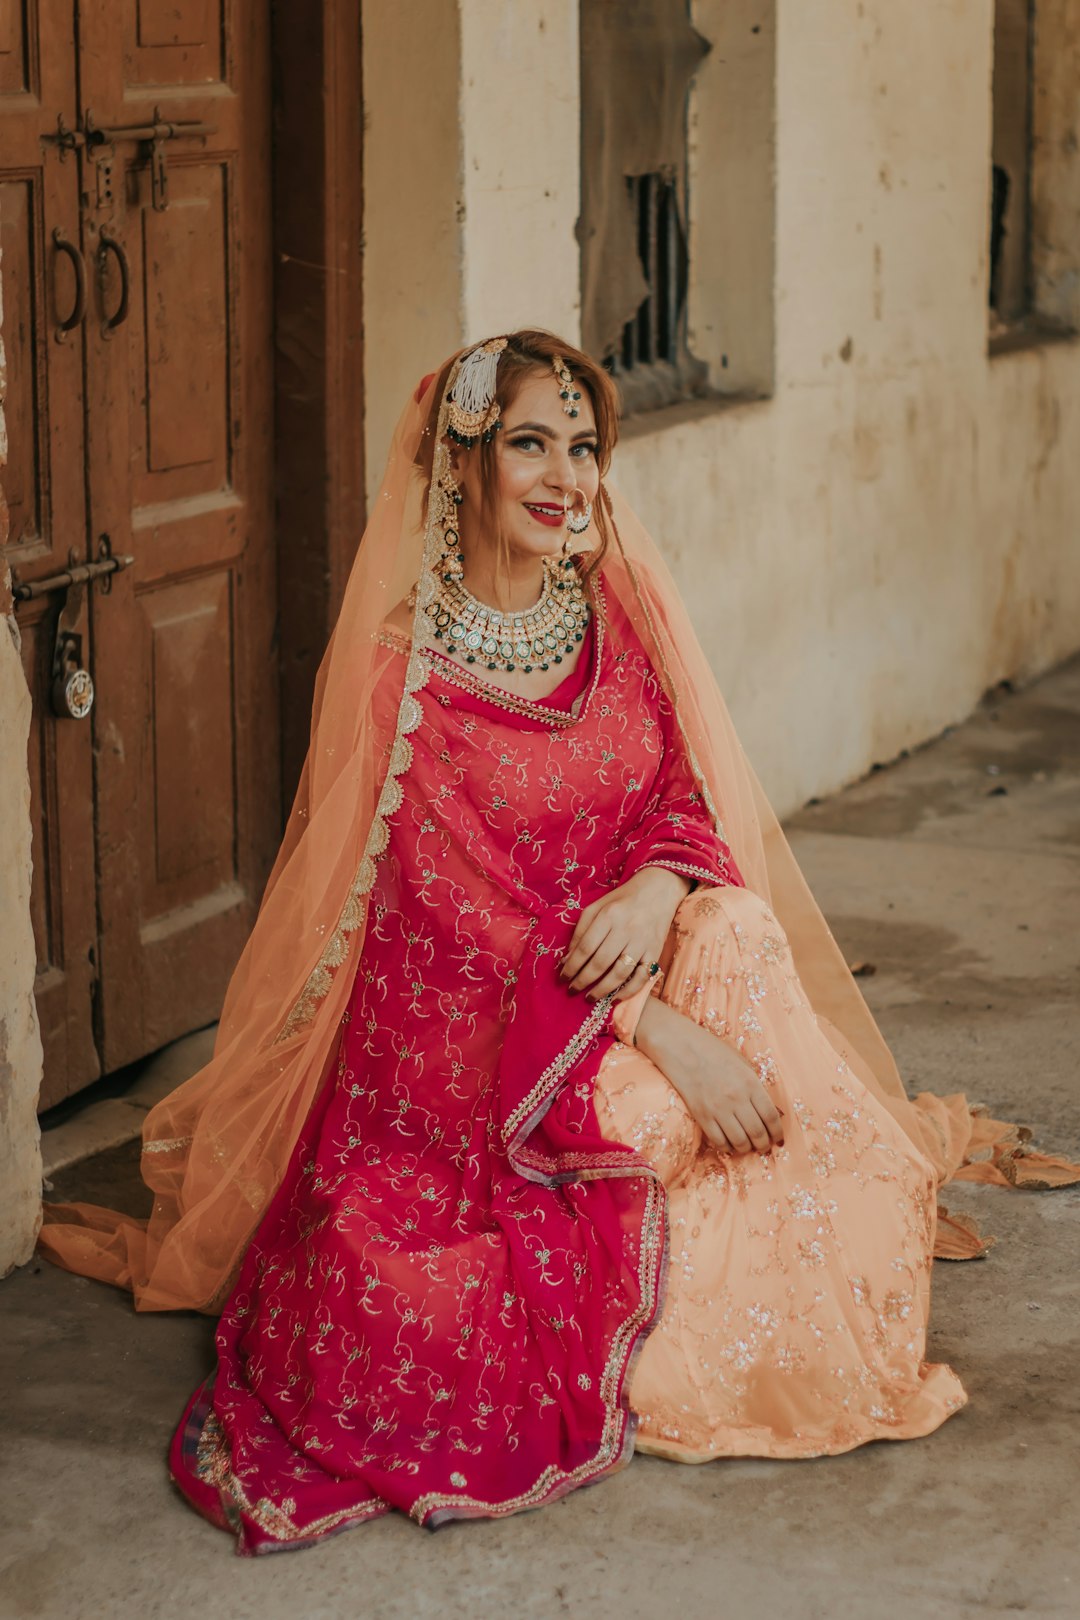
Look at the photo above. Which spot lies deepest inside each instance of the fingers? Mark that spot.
(637, 981)
(620, 976)
(579, 958)
(754, 1125)
(755, 1128)
(608, 968)
(770, 1117)
(729, 1136)
(585, 918)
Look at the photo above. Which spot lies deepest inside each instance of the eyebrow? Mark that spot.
(549, 433)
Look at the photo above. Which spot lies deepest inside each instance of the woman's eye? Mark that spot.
(587, 449)
(524, 444)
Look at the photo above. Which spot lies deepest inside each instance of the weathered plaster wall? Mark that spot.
(20, 1044)
(519, 111)
(896, 528)
(413, 208)
(471, 185)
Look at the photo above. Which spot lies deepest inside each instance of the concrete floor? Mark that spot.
(956, 873)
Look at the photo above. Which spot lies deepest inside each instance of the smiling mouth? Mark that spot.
(551, 515)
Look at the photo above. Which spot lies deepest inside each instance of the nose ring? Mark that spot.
(577, 521)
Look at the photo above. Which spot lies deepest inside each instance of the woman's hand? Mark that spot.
(719, 1086)
(619, 935)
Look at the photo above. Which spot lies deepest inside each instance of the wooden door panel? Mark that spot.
(44, 483)
(176, 42)
(180, 439)
(24, 486)
(186, 722)
(16, 25)
(189, 817)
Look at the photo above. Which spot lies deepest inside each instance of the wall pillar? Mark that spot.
(20, 1043)
(471, 186)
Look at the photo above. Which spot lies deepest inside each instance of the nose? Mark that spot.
(561, 473)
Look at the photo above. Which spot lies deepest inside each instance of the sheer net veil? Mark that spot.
(215, 1149)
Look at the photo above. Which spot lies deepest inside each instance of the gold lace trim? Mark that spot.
(213, 1465)
(417, 671)
(522, 1117)
(354, 911)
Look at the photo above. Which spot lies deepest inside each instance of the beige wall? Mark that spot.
(471, 185)
(896, 528)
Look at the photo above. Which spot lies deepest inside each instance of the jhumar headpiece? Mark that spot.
(473, 408)
(567, 392)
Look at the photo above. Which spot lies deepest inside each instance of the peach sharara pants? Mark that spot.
(798, 1282)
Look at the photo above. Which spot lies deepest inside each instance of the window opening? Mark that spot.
(638, 59)
(1010, 189)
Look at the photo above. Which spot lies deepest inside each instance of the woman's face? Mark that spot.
(541, 455)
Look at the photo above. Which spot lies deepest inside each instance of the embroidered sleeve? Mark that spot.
(675, 830)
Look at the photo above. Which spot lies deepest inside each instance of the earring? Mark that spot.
(452, 563)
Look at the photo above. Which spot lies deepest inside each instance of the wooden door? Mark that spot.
(178, 437)
(174, 465)
(43, 267)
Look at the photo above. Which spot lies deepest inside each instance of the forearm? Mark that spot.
(663, 1034)
(668, 886)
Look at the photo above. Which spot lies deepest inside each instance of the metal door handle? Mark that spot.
(112, 244)
(78, 312)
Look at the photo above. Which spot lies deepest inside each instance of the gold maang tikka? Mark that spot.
(567, 392)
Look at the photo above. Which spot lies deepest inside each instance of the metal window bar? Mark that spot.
(653, 333)
(651, 360)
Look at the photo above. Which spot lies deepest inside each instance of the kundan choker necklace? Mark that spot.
(534, 639)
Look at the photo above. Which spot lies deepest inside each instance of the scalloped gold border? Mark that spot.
(336, 951)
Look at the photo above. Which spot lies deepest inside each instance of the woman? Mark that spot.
(544, 1118)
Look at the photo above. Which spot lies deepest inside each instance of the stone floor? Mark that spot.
(955, 875)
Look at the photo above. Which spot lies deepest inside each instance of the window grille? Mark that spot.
(650, 360)
(653, 332)
(638, 61)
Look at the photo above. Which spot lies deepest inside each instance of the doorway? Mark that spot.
(140, 216)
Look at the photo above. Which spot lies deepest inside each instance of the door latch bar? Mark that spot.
(77, 574)
(154, 134)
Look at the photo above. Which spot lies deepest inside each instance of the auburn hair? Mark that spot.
(528, 352)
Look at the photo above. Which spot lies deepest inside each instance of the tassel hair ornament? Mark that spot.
(473, 409)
